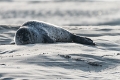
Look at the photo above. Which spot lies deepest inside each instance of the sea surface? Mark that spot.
(61, 12)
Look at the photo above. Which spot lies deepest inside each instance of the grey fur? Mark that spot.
(42, 32)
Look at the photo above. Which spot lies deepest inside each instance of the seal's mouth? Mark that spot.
(25, 42)
(22, 40)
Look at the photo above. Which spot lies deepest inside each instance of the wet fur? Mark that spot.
(41, 32)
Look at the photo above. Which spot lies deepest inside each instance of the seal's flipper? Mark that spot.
(82, 40)
(47, 39)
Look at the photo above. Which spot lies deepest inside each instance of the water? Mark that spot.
(61, 12)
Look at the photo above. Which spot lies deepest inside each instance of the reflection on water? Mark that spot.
(61, 12)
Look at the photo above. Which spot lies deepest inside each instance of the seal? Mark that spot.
(41, 32)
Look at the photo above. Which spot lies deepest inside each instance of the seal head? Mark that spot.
(31, 35)
(23, 36)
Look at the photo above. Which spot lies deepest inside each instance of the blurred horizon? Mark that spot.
(61, 12)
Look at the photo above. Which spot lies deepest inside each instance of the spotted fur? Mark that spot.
(42, 32)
